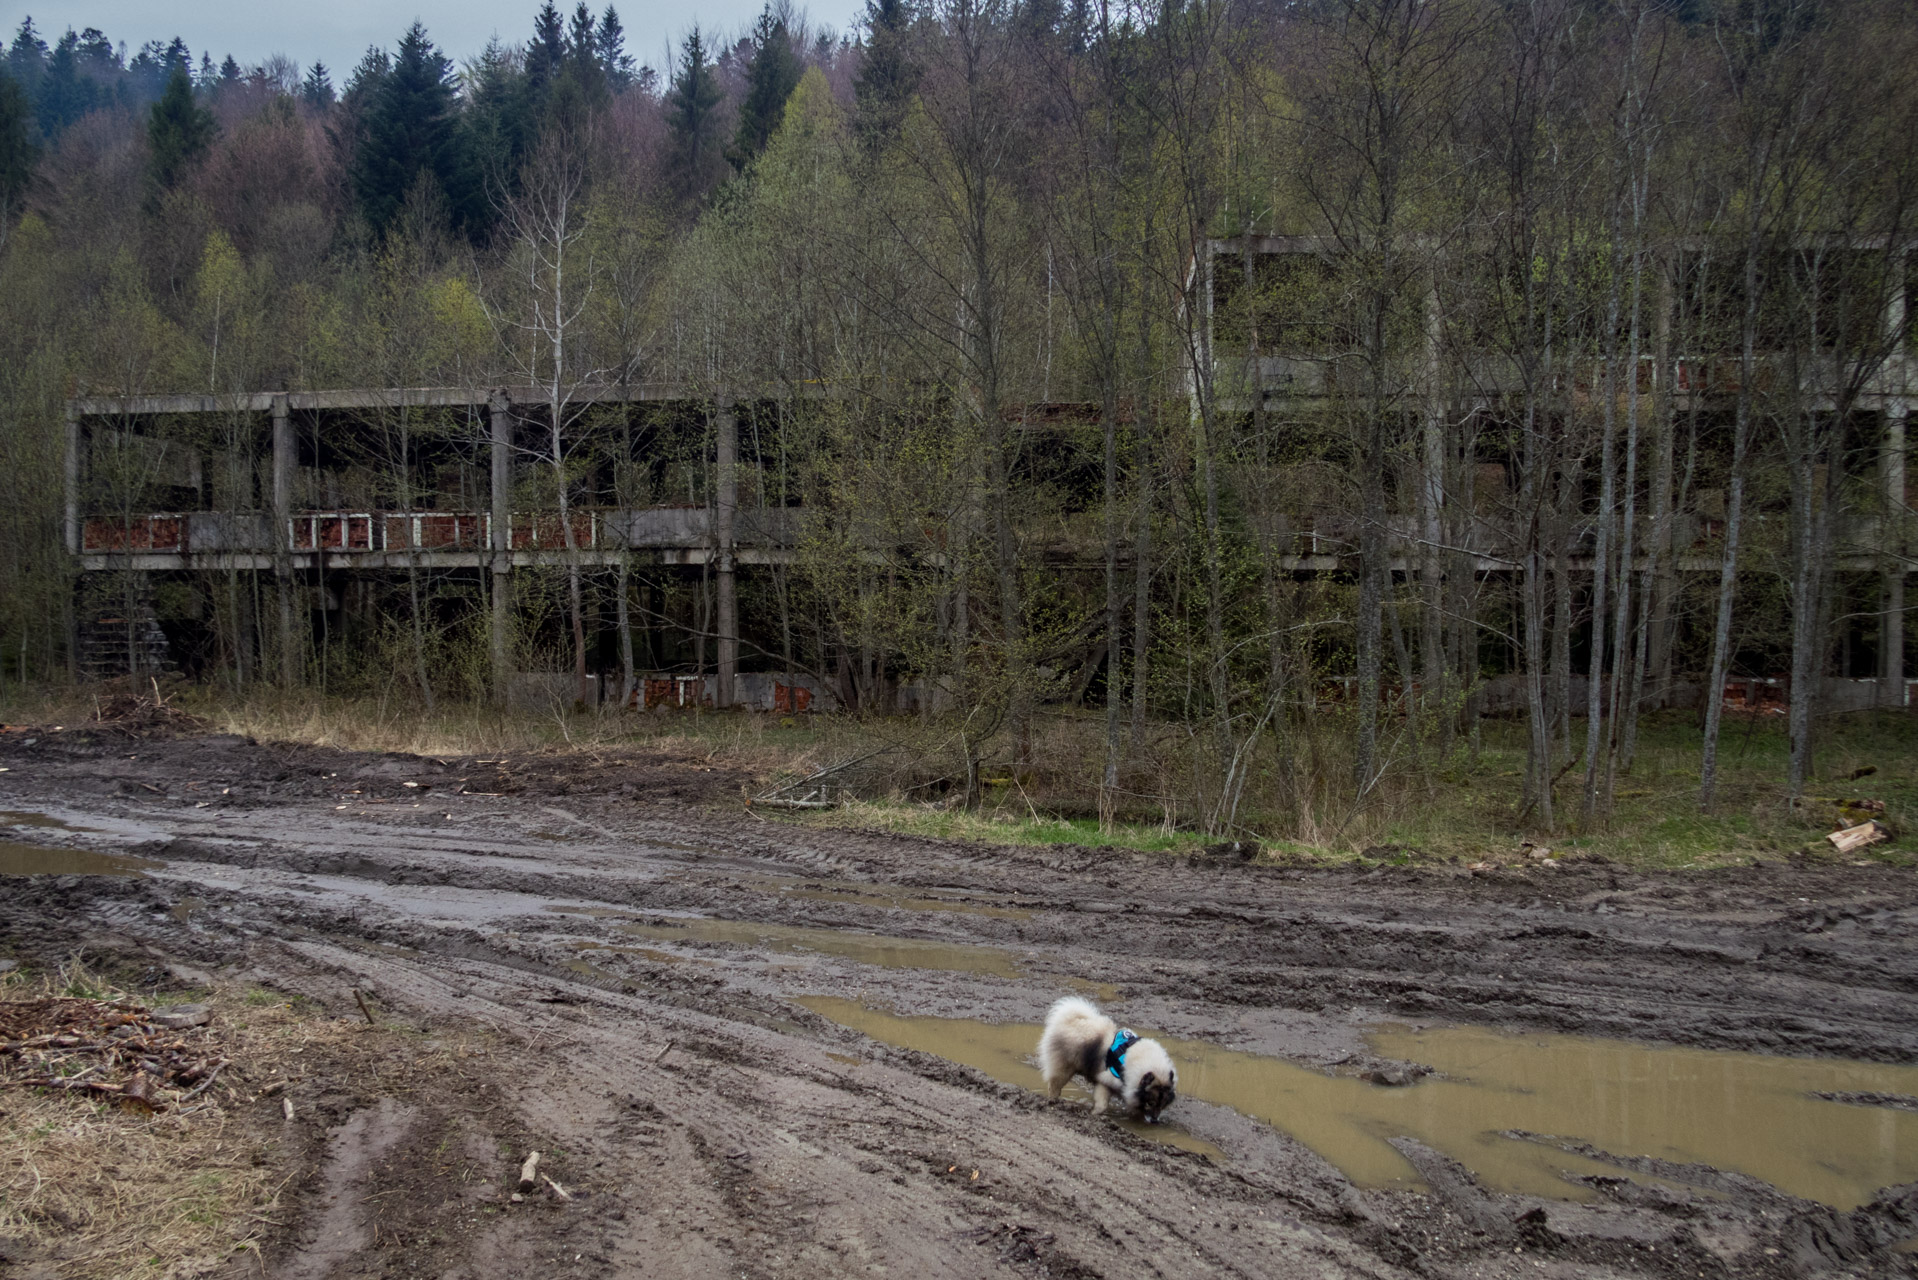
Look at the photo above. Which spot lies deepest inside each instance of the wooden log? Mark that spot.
(286, 1107)
(1865, 833)
(529, 1173)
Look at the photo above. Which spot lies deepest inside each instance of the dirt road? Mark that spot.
(660, 989)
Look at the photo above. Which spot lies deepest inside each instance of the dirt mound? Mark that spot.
(140, 715)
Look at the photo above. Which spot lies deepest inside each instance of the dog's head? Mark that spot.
(1156, 1094)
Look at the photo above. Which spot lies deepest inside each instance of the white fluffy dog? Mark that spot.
(1081, 1041)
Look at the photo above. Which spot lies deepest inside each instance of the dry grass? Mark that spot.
(108, 1192)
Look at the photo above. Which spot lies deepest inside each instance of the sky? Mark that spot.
(337, 32)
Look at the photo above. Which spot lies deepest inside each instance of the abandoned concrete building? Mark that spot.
(308, 512)
(300, 511)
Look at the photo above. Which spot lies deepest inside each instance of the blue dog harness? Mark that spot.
(1115, 1055)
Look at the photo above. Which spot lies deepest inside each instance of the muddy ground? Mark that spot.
(707, 1123)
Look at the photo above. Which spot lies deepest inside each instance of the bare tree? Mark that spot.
(546, 288)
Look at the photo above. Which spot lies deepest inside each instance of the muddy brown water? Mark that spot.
(865, 948)
(18, 859)
(1751, 1113)
(27, 818)
(1003, 1050)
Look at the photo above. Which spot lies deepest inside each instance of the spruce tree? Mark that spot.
(409, 129)
(96, 52)
(692, 121)
(614, 61)
(179, 131)
(65, 95)
(771, 77)
(27, 58)
(888, 78)
(18, 154)
(545, 54)
(580, 89)
(497, 118)
(317, 89)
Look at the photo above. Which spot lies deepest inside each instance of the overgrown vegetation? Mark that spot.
(1218, 417)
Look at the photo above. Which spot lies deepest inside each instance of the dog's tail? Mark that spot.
(1070, 1007)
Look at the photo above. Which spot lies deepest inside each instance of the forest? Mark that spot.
(1253, 416)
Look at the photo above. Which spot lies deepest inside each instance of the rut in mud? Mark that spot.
(722, 1026)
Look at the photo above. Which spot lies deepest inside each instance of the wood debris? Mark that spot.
(98, 1049)
(1859, 836)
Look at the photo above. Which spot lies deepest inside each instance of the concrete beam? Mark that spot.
(369, 398)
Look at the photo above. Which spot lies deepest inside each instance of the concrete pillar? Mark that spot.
(1891, 635)
(292, 648)
(71, 621)
(73, 479)
(502, 424)
(1891, 533)
(727, 510)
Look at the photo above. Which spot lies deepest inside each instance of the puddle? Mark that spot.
(880, 895)
(601, 912)
(24, 818)
(1000, 1049)
(649, 953)
(866, 948)
(1745, 1112)
(1100, 993)
(183, 909)
(589, 970)
(37, 860)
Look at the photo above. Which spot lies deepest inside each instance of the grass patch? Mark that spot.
(104, 1192)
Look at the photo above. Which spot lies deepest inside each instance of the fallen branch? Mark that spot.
(558, 1190)
(361, 997)
(207, 1083)
(67, 1082)
(661, 1055)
